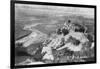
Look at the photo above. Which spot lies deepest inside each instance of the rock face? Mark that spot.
(74, 39)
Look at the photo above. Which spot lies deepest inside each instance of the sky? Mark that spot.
(56, 11)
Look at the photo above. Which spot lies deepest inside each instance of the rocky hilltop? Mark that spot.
(69, 43)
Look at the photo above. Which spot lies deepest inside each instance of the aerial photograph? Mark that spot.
(47, 34)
